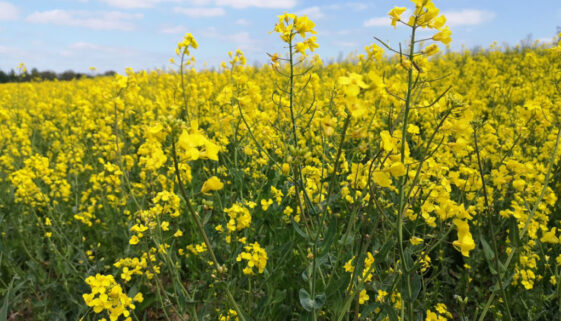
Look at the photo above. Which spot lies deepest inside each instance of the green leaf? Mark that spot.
(310, 304)
(299, 230)
(305, 300)
(415, 286)
(387, 311)
(489, 254)
(329, 237)
(408, 257)
(415, 282)
(4, 309)
(381, 255)
(279, 297)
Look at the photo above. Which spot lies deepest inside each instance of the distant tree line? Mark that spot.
(36, 75)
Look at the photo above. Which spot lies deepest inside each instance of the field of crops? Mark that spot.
(397, 185)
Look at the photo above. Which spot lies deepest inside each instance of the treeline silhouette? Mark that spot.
(36, 75)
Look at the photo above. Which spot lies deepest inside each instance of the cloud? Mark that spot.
(78, 48)
(80, 55)
(270, 4)
(347, 44)
(468, 17)
(173, 30)
(243, 22)
(200, 12)
(378, 22)
(244, 41)
(355, 6)
(546, 40)
(135, 4)
(241, 40)
(97, 20)
(8, 11)
(313, 13)
(385, 21)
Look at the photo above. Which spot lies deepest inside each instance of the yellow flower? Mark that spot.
(179, 233)
(138, 297)
(255, 256)
(107, 295)
(240, 217)
(465, 241)
(382, 179)
(550, 237)
(349, 265)
(352, 84)
(416, 240)
(431, 50)
(396, 13)
(363, 297)
(266, 203)
(134, 240)
(397, 169)
(212, 184)
(381, 296)
(443, 36)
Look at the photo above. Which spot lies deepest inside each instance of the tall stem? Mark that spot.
(491, 224)
(528, 221)
(403, 179)
(201, 229)
(185, 111)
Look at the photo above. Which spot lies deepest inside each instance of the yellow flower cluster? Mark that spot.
(256, 258)
(193, 145)
(441, 314)
(240, 217)
(188, 42)
(232, 315)
(106, 295)
(290, 25)
(95, 161)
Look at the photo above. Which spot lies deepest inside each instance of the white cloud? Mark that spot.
(355, 6)
(200, 12)
(271, 4)
(78, 48)
(243, 22)
(241, 37)
(385, 21)
(468, 17)
(378, 22)
(546, 40)
(8, 11)
(313, 13)
(244, 41)
(173, 30)
(96, 20)
(241, 40)
(347, 44)
(135, 4)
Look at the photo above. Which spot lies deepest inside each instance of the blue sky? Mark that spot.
(142, 34)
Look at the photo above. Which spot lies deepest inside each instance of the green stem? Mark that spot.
(183, 88)
(490, 223)
(527, 224)
(201, 229)
(403, 179)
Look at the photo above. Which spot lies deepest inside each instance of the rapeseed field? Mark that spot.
(406, 183)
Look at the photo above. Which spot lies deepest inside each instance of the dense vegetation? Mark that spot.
(408, 186)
